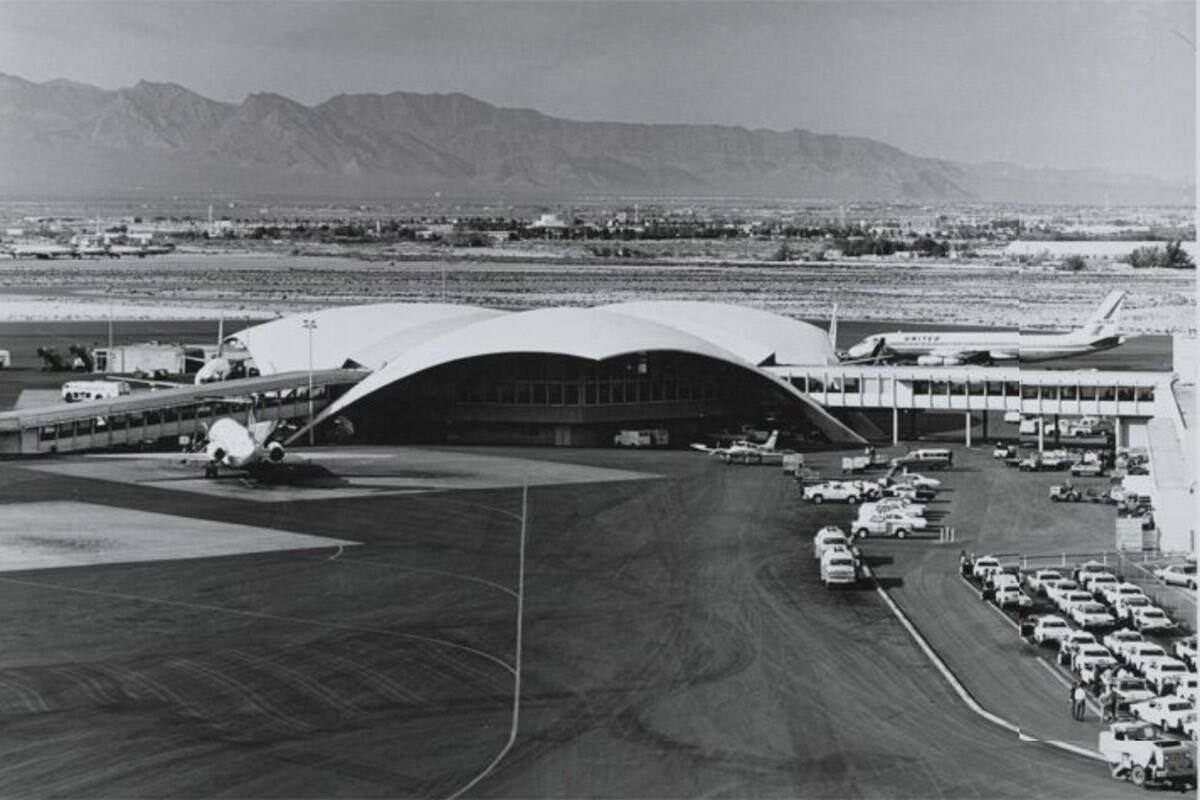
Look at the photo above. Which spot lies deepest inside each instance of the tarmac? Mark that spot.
(675, 643)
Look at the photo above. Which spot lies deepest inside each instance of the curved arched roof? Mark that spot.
(397, 340)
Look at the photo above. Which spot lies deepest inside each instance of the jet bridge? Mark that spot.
(151, 416)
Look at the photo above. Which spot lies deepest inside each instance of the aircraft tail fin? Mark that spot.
(771, 440)
(1106, 316)
(833, 329)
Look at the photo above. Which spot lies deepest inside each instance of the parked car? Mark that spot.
(1037, 579)
(887, 523)
(1123, 608)
(1055, 589)
(1118, 641)
(1091, 659)
(1168, 713)
(1096, 584)
(835, 491)
(985, 565)
(1177, 575)
(1185, 689)
(1152, 619)
(1004, 451)
(1065, 601)
(1185, 650)
(1111, 593)
(1087, 469)
(1141, 655)
(1165, 671)
(829, 536)
(1011, 596)
(1070, 644)
(1050, 629)
(1129, 689)
(838, 567)
(1091, 615)
(1082, 571)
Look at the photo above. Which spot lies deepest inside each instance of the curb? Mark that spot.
(957, 685)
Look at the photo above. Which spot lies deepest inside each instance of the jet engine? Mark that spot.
(275, 452)
(938, 361)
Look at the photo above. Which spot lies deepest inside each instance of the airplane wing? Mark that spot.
(196, 457)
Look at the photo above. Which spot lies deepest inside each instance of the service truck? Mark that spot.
(1136, 752)
(80, 391)
(657, 437)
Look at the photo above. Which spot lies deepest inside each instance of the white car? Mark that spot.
(887, 523)
(1065, 601)
(1142, 655)
(1185, 650)
(827, 537)
(916, 479)
(1111, 594)
(1119, 641)
(1037, 580)
(1096, 584)
(1050, 629)
(1151, 620)
(1123, 609)
(1130, 689)
(1164, 671)
(1091, 615)
(1090, 659)
(1087, 569)
(835, 491)
(1168, 713)
(984, 566)
(838, 567)
(1186, 688)
(1055, 589)
(1070, 644)
(1011, 596)
(1001, 580)
(1177, 575)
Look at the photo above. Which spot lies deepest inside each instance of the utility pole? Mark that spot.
(310, 325)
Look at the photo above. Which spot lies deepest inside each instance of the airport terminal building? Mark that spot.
(556, 376)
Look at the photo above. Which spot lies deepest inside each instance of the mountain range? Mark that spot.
(67, 138)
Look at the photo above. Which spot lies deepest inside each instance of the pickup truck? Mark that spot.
(1087, 469)
(1137, 753)
(838, 568)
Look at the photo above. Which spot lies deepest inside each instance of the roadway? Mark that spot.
(677, 644)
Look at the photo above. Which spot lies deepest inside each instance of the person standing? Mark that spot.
(1079, 701)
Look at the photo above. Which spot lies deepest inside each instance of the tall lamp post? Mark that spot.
(310, 325)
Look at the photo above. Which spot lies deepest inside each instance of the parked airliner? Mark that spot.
(947, 348)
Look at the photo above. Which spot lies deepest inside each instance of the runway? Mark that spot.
(676, 644)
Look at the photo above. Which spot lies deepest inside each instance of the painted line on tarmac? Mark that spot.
(1003, 616)
(961, 690)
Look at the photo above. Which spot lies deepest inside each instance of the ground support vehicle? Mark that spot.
(655, 437)
(829, 536)
(1087, 469)
(1065, 493)
(1168, 713)
(1137, 753)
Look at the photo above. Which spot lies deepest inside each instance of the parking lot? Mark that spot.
(997, 509)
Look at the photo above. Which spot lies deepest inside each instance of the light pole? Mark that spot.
(310, 325)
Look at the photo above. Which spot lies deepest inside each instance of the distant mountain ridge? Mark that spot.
(66, 137)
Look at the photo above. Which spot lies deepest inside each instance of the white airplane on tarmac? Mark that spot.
(948, 348)
(742, 448)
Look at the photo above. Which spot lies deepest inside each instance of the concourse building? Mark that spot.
(556, 376)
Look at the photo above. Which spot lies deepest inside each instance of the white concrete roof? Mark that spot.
(396, 340)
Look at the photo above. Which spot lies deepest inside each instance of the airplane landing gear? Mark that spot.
(210, 470)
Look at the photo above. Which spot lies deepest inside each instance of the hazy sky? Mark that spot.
(1041, 82)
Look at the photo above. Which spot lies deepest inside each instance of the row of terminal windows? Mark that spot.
(814, 385)
(593, 393)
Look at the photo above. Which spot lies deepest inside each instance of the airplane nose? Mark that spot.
(860, 350)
